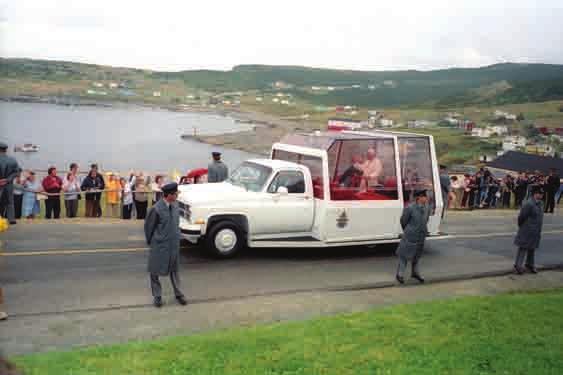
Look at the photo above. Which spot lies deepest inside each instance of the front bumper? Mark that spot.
(190, 232)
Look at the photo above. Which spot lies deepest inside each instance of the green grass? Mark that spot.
(507, 334)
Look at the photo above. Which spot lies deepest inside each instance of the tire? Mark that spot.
(224, 240)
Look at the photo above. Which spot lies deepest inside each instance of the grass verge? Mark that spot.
(509, 334)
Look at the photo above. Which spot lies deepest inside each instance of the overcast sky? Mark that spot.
(366, 35)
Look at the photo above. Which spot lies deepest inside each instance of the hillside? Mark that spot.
(458, 86)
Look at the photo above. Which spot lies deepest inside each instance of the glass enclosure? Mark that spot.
(363, 169)
(416, 167)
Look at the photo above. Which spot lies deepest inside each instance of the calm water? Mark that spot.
(119, 139)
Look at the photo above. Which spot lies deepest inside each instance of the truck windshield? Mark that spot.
(250, 176)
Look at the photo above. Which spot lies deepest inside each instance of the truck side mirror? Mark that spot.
(282, 190)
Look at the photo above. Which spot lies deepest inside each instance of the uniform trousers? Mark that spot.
(415, 260)
(156, 287)
(7, 202)
(529, 254)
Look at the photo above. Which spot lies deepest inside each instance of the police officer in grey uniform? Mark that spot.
(217, 171)
(9, 169)
(162, 232)
(530, 221)
(414, 223)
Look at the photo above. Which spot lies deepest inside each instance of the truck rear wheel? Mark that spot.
(225, 239)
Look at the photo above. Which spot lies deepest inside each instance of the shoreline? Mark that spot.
(267, 129)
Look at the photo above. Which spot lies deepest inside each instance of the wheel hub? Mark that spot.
(225, 240)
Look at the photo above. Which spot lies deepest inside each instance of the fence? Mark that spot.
(107, 210)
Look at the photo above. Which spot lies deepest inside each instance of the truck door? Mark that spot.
(291, 207)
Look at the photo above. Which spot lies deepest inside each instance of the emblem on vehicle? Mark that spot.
(342, 220)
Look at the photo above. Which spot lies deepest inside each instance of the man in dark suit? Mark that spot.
(551, 188)
(530, 222)
(162, 232)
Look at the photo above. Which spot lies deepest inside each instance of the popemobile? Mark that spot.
(321, 189)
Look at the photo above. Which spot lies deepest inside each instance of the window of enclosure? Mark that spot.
(364, 169)
(416, 167)
(314, 163)
(294, 181)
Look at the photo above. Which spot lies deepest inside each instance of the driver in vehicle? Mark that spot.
(351, 174)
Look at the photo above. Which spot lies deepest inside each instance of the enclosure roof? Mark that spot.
(323, 140)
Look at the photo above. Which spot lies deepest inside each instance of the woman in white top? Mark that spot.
(127, 196)
(71, 188)
(456, 193)
(156, 188)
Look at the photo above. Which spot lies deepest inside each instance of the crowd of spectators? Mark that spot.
(484, 190)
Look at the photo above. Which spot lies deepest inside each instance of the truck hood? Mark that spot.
(197, 194)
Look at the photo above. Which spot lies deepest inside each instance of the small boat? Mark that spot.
(27, 147)
(188, 136)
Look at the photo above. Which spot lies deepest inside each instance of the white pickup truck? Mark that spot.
(317, 190)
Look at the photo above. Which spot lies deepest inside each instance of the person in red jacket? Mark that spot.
(53, 184)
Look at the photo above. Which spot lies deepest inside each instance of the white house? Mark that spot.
(452, 121)
(418, 123)
(156, 94)
(481, 132)
(113, 85)
(514, 143)
(504, 115)
(275, 100)
(259, 99)
(97, 84)
(385, 123)
(498, 129)
(343, 124)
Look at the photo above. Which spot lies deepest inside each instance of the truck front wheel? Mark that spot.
(225, 239)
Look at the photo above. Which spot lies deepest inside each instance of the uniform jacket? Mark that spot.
(162, 232)
(414, 222)
(445, 185)
(9, 168)
(530, 221)
(217, 172)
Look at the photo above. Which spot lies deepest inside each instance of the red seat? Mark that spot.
(371, 196)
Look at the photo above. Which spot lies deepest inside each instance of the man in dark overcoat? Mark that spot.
(552, 187)
(162, 232)
(530, 221)
(9, 169)
(217, 171)
(414, 223)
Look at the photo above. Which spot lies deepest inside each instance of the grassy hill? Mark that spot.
(446, 87)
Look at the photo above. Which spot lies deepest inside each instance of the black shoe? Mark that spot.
(400, 279)
(418, 277)
(182, 300)
(157, 302)
(532, 269)
(518, 270)
(13, 222)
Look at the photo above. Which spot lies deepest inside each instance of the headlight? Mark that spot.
(199, 221)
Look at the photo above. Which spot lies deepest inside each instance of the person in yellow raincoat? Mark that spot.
(113, 196)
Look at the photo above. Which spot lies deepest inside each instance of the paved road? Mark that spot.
(57, 267)
(60, 277)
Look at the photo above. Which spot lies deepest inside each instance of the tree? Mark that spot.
(520, 117)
